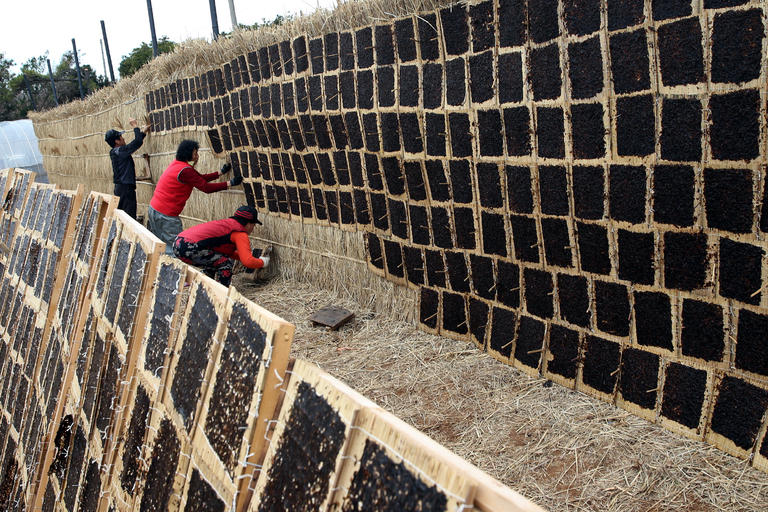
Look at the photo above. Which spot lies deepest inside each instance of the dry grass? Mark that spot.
(562, 449)
(194, 56)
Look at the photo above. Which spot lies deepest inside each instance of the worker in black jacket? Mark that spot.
(123, 169)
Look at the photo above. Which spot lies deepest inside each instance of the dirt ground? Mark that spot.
(561, 449)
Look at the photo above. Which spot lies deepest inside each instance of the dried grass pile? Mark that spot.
(559, 448)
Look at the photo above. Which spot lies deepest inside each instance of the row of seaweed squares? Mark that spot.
(278, 59)
(576, 132)
(732, 62)
(730, 198)
(716, 265)
(721, 404)
(589, 302)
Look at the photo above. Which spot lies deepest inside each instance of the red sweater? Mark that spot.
(175, 186)
(225, 236)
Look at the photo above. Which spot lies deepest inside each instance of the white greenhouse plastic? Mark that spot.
(18, 148)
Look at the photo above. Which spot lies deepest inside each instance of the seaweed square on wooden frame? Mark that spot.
(750, 345)
(737, 414)
(602, 359)
(585, 68)
(653, 319)
(702, 334)
(545, 72)
(685, 260)
(728, 199)
(680, 52)
(735, 129)
(681, 129)
(562, 353)
(635, 125)
(736, 46)
(741, 271)
(685, 390)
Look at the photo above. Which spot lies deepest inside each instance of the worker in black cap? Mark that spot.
(123, 168)
(214, 246)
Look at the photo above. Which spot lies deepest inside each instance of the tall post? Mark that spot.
(106, 48)
(103, 60)
(233, 15)
(53, 84)
(29, 91)
(77, 68)
(152, 28)
(214, 19)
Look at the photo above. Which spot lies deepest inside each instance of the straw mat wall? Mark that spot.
(576, 187)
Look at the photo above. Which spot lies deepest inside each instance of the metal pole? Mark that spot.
(103, 61)
(233, 15)
(53, 84)
(152, 28)
(29, 91)
(109, 56)
(77, 67)
(214, 19)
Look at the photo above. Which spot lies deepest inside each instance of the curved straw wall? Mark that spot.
(576, 187)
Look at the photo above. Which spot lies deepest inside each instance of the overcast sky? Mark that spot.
(29, 28)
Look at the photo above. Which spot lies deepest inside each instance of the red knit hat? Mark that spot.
(248, 214)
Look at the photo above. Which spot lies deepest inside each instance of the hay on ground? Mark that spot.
(561, 449)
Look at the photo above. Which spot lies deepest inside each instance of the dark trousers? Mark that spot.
(127, 195)
(213, 264)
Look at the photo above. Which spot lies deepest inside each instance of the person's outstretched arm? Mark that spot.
(243, 251)
(138, 138)
(189, 176)
(213, 175)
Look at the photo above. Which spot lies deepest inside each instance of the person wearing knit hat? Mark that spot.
(174, 189)
(215, 246)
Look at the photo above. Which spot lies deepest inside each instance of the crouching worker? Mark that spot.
(214, 246)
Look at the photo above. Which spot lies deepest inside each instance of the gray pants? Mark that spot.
(164, 227)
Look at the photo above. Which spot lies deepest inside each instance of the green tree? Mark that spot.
(15, 99)
(65, 76)
(8, 104)
(33, 69)
(141, 55)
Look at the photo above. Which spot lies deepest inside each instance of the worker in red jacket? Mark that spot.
(174, 188)
(214, 246)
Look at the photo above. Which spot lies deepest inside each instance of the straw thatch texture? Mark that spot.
(578, 189)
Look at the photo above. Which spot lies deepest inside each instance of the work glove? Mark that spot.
(235, 181)
(264, 255)
(225, 168)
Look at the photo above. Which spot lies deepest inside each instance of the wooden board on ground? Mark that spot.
(331, 316)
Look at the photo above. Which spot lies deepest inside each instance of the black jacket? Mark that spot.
(123, 169)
